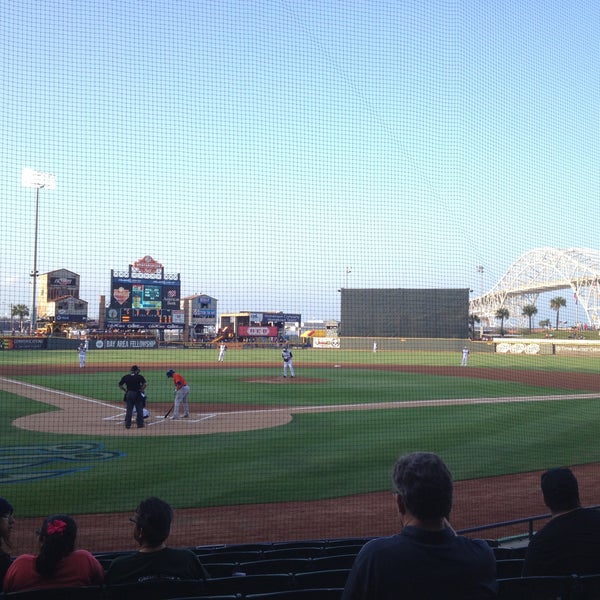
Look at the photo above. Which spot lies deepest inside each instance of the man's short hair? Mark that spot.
(424, 482)
(154, 518)
(560, 489)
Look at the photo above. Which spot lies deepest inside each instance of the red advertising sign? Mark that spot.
(257, 331)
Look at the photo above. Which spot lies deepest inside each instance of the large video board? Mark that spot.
(143, 297)
(142, 302)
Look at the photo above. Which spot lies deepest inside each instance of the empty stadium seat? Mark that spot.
(275, 565)
(154, 589)
(248, 584)
(326, 563)
(307, 594)
(333, 578)
(536, 588)
(294, 552)
(92, 592)
(587, 587)
(510, 567)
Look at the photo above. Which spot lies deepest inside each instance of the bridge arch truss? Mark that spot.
(544, 270)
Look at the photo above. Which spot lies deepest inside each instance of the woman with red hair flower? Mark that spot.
(57, 564)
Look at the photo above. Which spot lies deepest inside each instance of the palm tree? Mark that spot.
(472, 320)
(545, 323)
(502, 313)
(556, 304)
(21, 311)
(528, 311)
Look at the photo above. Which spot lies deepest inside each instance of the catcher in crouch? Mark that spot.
(182, 391)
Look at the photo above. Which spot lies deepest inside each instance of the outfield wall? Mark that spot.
(546, 346)
(413, 344)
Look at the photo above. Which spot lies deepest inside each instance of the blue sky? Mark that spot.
(261, 148)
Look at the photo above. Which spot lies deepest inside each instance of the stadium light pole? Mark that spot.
(36, 180)
(480, 271)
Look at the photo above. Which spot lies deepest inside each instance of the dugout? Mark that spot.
(405, 312)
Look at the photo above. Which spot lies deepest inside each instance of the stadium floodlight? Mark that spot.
(36, 180)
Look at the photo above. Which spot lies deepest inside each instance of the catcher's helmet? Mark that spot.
(170, 373)
(135, 369)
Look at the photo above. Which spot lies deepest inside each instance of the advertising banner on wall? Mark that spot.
(124, 344)
(255, 331)
(326, 343)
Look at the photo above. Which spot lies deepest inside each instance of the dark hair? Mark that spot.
(560, 489)
(424, 482)
(6, 509)
(57, 540)
(154, 518)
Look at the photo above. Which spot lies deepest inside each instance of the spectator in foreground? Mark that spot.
(427, 559)
(570, 542)
(152, 526)
(7, 522)
(57, 563)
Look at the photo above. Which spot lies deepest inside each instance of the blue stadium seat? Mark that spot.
(154, 589)
(536, 588)
(510, 567)
(307, 594)
(587, 587)
(248, 584)
(275, 565)
(92, 592)
(333, 578)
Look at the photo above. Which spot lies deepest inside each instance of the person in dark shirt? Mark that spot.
(154, 560)
(427, 559)
(7, 522)
(570, 542)
(133, 384)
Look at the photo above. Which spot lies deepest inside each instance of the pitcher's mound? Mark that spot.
(281, 379)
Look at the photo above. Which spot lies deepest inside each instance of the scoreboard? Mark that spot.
(142, 302)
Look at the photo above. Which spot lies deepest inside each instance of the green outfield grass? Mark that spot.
(319, 455)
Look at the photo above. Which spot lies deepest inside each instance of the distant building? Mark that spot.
(58, 298)
(200, 312)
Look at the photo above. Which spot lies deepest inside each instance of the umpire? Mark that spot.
(133, 384)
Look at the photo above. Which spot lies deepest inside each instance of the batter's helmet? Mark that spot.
(170, 373)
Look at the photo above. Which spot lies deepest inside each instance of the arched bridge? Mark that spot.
(544, 270)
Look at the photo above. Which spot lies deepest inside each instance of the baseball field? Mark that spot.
(262, 457)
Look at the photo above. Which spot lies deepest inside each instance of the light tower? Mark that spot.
(36, 180)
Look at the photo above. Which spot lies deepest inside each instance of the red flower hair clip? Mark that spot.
(57, 526)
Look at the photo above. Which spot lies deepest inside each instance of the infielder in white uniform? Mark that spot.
(465, 356)
(222, 350)
(287, 356)
(82, 352)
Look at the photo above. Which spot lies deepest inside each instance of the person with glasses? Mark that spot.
(154, 559)
(57, 563)
(7, 522)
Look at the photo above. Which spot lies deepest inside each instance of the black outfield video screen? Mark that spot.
(143, 301)
(417, 313)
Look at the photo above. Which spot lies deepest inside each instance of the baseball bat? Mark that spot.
(168, 412)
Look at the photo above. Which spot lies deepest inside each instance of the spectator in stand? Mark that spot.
(7, 522)
(152, 526)
(57, 563)
(570, 542)
(427, 559)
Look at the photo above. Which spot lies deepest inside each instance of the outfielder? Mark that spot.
(222, 350)
(465, 356)
(182, 391)
(287, 356)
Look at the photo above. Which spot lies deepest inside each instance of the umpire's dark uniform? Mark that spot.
(133, 385)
